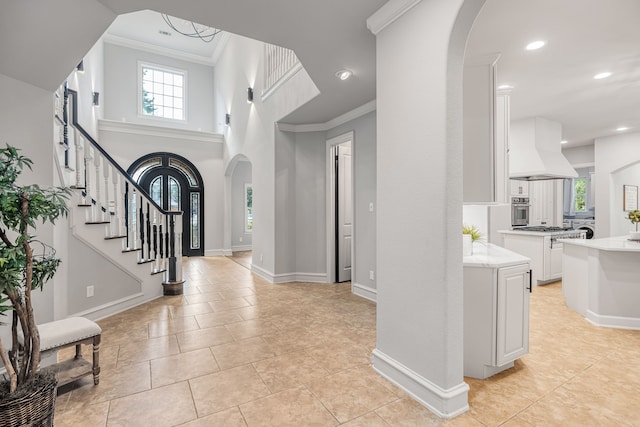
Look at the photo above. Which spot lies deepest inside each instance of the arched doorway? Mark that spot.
(175, 184)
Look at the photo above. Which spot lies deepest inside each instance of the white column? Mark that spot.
(419, 149)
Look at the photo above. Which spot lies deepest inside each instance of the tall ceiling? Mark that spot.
(583, 37)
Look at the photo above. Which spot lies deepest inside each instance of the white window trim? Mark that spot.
(246, 211)
(184, 93)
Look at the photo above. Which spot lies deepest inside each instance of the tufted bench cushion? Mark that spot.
(59, 333)
(68, 332)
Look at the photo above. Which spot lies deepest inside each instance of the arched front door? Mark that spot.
(175, 185)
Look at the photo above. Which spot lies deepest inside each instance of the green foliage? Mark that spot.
(26, 264)
(473, 231)
(634, 216)
(580, 191)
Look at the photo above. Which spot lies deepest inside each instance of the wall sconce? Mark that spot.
(227, 119)
(80, 66)
(249, 95)
(96, 98)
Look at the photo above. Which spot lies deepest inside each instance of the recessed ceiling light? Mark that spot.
(344, 74)
(535, 45)
(505, 87)
(564, 141)
(603, 75)
(622, 129)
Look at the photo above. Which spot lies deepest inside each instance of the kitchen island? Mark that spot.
(601, 280)
(496, 309)
(543, 247)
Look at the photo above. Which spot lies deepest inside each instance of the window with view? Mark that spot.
(248, 208)
(580, 191)
(162, 92)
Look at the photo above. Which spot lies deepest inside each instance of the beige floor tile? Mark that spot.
(229, 304)
(204, 297)
(228, 418)
(295, 407)
(181, 367)
(210, 320)
(289, 370)
(367, 420)
(114, 383)
(158, 328)
(164, 406)
(152, 348)
(201, 338)
(191, 310)
(350, 394)
(336, 357)
(225, 389)
(86, 416)
(251, 328)
(242, 352)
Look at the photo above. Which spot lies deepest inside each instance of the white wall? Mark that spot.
(121, 89)
(612, 155)
(419, 149)
(580, 156)
(364, 175)
(252, 133)
(241, 176)
(619, 222)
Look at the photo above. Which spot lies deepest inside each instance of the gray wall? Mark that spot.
(241, 176)
(121, 88)
(285, 190)
(364, 152)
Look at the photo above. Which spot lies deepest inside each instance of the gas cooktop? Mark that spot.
(543, 228)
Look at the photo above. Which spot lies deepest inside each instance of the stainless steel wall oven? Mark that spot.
(520, 211)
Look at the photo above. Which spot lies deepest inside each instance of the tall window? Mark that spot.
(162, 92)
(580, 190)
(248, 208)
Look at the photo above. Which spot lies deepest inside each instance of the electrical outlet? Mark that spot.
(240, 239)
(261, 258)
(372, 275)
(90, 291)
(371, 207)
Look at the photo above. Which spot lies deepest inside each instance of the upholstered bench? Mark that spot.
(65, 333)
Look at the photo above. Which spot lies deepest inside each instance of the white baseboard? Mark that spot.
(444, 403)
(289, 277)
(217, 252)
(241, 248)
(613, 321)
(364, 291)
(115, 307)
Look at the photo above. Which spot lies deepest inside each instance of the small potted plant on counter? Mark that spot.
(469, 235)
(634, 217)
(28, 396)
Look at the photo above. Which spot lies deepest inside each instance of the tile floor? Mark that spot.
(237, 351)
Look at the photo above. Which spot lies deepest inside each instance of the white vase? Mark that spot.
(634, 235)
(467, 245)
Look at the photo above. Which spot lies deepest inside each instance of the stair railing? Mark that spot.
(117, 201)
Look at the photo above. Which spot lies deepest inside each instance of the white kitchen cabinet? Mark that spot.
(519, 188)
(496, 316)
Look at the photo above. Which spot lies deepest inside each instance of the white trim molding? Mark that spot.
(617, 322)
(333, 123)
(218, 252)
(292, 72)
(388, 13)
(447, 403)
(159, 131)
(364, 291)
(241, 248)
(289, 277)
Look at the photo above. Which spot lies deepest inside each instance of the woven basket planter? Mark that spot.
(32, 408)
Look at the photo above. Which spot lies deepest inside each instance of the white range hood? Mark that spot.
(534, 151)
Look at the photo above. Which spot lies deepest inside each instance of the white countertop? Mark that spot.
(493, 256)
(535, 233)
(619, 243)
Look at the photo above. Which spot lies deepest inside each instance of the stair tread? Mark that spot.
(145, 261)
(158, 271)
(131, 250)
(97, 222)
(115, 237)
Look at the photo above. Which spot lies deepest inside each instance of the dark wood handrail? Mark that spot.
(78, 126)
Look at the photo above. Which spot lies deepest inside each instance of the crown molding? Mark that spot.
(388, 13)
(159, 131)
(333, 123)
(148, 47)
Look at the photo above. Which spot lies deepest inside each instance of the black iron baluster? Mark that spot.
(126, 212)
(172, 247)
(155, 242)
(148, 234)
(161, 241)
(141, 226)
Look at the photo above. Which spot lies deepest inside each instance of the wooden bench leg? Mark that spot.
(96, 359)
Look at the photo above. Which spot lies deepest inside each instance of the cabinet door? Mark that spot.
(513, 313)
(555, 270)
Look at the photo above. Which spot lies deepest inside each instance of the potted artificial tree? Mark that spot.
(27, 397)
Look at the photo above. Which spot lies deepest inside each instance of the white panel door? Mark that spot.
(513, 314)
(345, 212)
